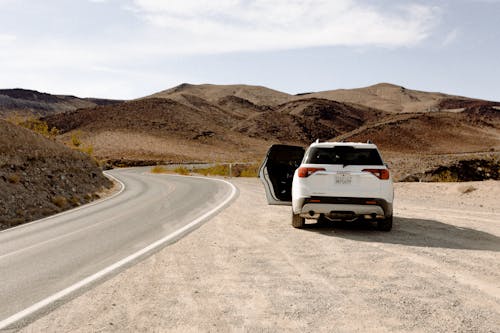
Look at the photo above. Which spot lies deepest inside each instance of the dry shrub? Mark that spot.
(182, 170)
(236, 170)
(77, 144)
(14, 178)
(216, 170)
(251, 170)
(59, 201)
(467, 189)
(75, 139)
(35, 125)
(445, 176)
(158, 169)
(89, 150)
(75, 201)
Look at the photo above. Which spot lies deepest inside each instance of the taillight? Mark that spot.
(379, 173)
(304, 172)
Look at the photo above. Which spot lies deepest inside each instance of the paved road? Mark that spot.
(40, 259)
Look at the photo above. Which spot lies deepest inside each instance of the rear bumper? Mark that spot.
(357, 206)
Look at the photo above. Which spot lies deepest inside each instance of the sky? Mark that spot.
(127, 49)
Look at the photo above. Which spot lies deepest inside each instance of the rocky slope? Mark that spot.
(192, 128)
(39, 177)
(239, 122)
(33, 103)
(389, 97)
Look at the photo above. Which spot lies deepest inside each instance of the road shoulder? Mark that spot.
(248, 269)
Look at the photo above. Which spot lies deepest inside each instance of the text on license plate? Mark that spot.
(343, 178)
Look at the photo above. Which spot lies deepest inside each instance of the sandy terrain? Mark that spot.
(249, 270)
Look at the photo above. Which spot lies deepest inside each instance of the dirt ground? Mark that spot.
(249, 270)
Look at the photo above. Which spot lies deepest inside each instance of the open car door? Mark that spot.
(276, 172)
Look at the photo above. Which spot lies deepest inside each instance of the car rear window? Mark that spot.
(345, 155)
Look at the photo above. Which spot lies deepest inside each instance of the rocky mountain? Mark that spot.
(40, 177)
(390, 98)
(24, 102)
(217, 128)
(239, 122)
(212, 93)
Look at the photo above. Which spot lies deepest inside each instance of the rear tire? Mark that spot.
(298, 221)
(385, 225)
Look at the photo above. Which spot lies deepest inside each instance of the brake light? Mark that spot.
(379, 173)
(304, 172)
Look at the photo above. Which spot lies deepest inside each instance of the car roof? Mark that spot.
(348, 144)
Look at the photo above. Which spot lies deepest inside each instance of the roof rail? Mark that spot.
(369, 141)
(317, 141)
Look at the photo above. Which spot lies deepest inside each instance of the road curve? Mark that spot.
(45, 261)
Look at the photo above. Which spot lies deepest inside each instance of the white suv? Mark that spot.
(331, 180)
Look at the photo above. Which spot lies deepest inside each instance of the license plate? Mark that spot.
(343, 178)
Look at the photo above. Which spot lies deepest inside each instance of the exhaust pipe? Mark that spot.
(311, 213)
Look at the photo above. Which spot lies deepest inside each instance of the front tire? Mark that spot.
(298, 221)
(385, 224)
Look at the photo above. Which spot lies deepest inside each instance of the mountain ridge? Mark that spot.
(25, 102)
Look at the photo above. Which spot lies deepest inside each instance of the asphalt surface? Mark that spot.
(40, 259)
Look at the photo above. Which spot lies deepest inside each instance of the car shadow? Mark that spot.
(411, 232)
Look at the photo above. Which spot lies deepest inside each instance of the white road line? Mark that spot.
(97, 224)
(51, 299)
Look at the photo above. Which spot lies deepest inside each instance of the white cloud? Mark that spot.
(451, 37)
(195, 26)
(5, 38)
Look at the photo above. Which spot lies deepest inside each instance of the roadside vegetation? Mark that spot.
(41, 127)
(77, 144)
(230, 170)
(35, 125)
(159, 169)
(182, 171)
(222, 170)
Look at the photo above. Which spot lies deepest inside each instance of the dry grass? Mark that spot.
(251, 171)
(182, 171)
(233, 170)
(216, 170)
(34, 124)
(158, 169)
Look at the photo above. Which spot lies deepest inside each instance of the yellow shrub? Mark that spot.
(158, 169)
(59, 201)
(35, 125)
(181, 170)
(75, 139)
(14, 178)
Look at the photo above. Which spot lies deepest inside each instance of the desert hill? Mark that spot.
(39, 177)
(33, 103)
(206, 130)
(389, 97)
(473, 130)
(238, 122)
(212, 93)
(158, 129)
(306, 120)
(418, 142)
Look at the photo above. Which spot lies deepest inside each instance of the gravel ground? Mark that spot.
(249, 270)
